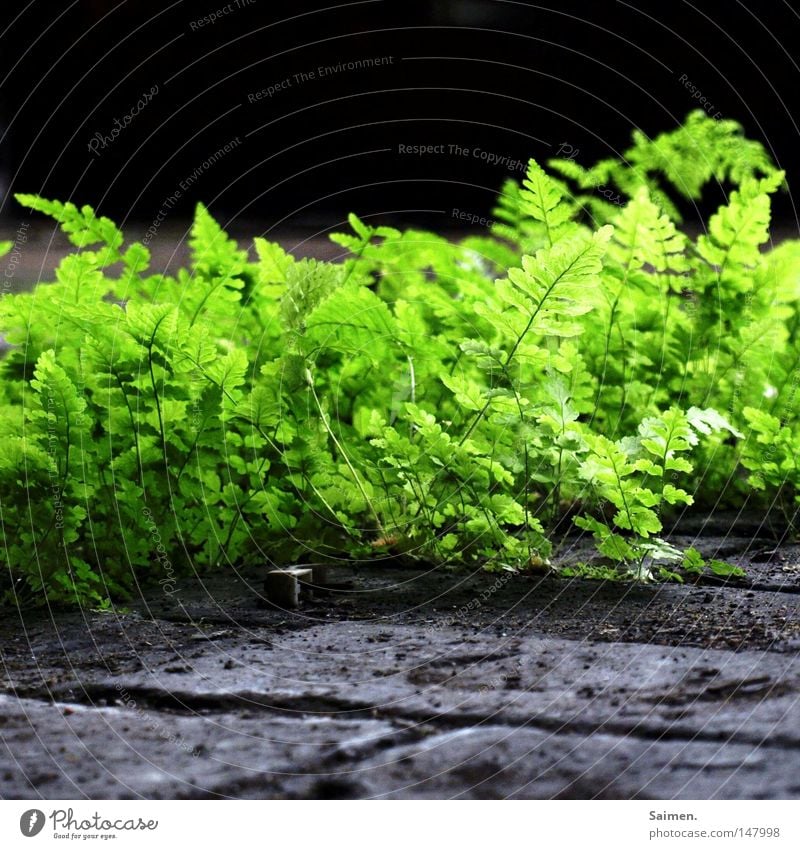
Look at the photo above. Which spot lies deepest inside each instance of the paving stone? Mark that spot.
(410, 684)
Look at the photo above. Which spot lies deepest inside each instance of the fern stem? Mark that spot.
(625, 505)
(134, 429)
(341, 450)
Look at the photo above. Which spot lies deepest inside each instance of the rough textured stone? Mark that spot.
(410, 684)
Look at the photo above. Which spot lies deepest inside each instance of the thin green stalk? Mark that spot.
(340, 448)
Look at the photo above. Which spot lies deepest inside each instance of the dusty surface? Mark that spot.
(417, 684)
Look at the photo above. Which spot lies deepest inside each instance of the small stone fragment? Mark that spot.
(283, 586)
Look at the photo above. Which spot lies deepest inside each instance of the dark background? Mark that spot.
(516, 79)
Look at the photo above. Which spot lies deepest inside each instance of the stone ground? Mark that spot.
(410, 683)
(406, 683)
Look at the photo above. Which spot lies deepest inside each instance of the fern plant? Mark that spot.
(447, 402)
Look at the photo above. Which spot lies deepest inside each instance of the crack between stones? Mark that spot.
(305, 706)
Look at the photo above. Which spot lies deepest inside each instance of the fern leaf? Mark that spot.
(274, 263)
(542, 199)
(214, 253)
(82, 226)
(153, 325)
(643, 235)
(701, 149)
(552, 288)
(737, 231)
(309, 283)
(62, 407)
(228, 372)
(353, 320)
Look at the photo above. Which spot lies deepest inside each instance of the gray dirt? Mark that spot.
(413, 683)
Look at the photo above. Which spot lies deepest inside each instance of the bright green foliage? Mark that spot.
(638, 476)
(772, 454)
(536, 214)
(693, 564)
(448, 402)
(682, 160)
